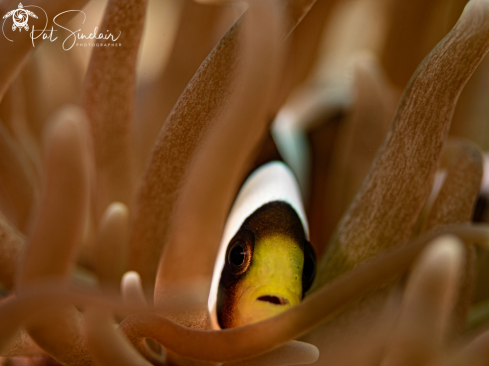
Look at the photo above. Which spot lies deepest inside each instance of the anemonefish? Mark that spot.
(266, 263)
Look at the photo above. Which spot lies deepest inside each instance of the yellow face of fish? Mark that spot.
(269, 265)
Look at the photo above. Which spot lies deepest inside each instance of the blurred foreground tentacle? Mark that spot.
(107, 345)
(22, 345)
(111, 245)
(225, 156)
(291, 353)
(424, 321)
(18, 189)
(454, 204)
(57, 232)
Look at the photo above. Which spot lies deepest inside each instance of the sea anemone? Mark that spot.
(97, 191)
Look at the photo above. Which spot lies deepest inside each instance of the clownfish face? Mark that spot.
(269, 266)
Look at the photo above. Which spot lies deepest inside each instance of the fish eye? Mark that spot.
(309, 268)
(239, 255)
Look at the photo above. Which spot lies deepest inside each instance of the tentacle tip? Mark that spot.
(69, 121)
(130, 277)
(117, 208)
(476, 9)
(446, 248)
(312, 354)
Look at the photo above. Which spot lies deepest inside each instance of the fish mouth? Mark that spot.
(276, 300)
